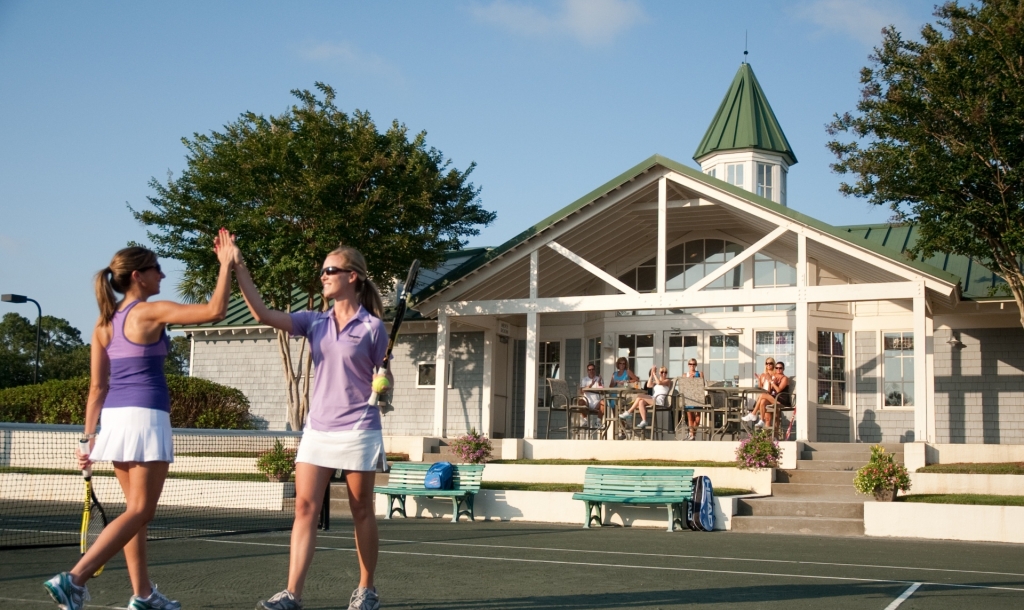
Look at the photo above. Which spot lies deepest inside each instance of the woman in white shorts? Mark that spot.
(128, 397)
(342, 432)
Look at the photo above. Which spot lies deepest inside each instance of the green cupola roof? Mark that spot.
(745, 120)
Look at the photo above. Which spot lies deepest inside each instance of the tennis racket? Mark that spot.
(94, 519)
(400, 308)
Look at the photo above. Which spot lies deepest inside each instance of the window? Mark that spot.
(770, 273)
(549, 361)
(734, 174)
(776, 344)
(899, 369)
(594, 353)
(681, 348)
(639, 351)
(711, 172)
(688, 263)
(426, 374)
(724, 358)
(764, 180)
(831, 368)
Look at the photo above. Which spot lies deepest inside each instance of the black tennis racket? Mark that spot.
(400, 308)
(94, 518)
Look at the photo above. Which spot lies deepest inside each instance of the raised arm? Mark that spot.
(259, 310)
(214, 310)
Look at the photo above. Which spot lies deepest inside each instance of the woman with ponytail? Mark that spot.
(129, 402)
(342, 432)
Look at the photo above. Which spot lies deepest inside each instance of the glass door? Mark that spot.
(680, 347)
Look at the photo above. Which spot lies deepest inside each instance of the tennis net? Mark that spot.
(213, 487)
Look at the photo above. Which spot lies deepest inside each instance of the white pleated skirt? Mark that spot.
(355, 450)
(133, 434)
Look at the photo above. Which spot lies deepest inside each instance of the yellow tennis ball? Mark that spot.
(380, 385)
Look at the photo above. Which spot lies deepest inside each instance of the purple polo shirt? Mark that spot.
(344, 362)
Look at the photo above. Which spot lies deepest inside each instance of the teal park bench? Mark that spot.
(661, 486)
(407, 480)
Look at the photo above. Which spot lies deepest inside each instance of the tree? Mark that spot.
(941, 121)
(178, 356)
(292, 187)
(62, 354)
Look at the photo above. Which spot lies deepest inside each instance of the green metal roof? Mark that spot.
(745, 120)
(975, 278)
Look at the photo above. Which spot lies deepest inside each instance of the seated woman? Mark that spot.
(778, 384)
(622, 374)
(661, 383)
(692, 417)
(594, 401)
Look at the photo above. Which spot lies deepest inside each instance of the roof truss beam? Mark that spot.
(737, 260)
(592, 268)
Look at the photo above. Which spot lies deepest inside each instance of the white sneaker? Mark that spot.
(364, 599)
(280, 601)
(759, 424)
(155, 601)
(749, 417)
(641, 425)
(691, 437)
(625, 415)
(66, 593)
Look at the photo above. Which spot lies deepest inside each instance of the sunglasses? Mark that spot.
(334, 270)
(692, 363)
(779, 368)
(147, 268)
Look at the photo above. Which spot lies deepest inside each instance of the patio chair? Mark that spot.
(689, 396)
(786, 404)
(563, 399)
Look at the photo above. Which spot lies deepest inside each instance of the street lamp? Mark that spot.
(20, 298)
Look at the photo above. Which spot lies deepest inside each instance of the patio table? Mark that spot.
(734, 398)
(610, 395)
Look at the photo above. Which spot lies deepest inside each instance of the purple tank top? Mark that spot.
(136, 371)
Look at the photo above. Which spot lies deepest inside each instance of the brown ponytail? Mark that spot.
(366, 290)
(118, 277)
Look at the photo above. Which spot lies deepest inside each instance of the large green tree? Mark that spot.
(62, 353)
(938, 135)
(294, 186)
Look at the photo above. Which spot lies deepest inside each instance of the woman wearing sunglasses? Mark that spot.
(778, 384)
(692, 415)
(342, 431)
(128, 396)
(660, 384)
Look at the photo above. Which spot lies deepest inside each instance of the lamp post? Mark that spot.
(20, 298)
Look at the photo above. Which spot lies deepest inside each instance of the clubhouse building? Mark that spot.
(665, 263)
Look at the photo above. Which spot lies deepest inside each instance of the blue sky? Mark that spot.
(550, 99)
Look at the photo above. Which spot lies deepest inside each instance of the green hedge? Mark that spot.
(195, 403)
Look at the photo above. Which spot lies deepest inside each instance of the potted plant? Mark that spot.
(278, 463)
(472, 448)
(882, 476)
(759, 451)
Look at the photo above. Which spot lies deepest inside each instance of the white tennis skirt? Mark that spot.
(133, 434)
(356, 450)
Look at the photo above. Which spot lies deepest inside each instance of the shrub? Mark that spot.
(759, 451)
(278, 463)
(195, 403)
(882, 473)
(473, 448)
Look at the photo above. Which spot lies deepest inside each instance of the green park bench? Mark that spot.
(657, 486)
(406, 479)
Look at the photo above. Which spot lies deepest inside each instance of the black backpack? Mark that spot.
(700, 510)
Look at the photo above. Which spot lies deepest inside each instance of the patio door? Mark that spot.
(680, 347)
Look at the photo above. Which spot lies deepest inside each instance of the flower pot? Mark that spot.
(278, 478)
(885, 495)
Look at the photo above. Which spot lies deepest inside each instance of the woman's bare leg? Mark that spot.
(310, 484)
(360, 500)
(142, 483)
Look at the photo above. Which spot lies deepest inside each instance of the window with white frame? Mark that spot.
(831, 368)
(681, 348)
(426, 374)
(771, 273)
(765, 183)
(898, 373)
(777, 345)
(638, 350)
(594, 353)
(711, 172)
(549, 365)
(724, 358)
(734, 174)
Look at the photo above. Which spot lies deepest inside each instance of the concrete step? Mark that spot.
(798, 525)
(825, 477)
(816, 491)
(842, 456)
(864, 447)
(794, 507)
(834, 465)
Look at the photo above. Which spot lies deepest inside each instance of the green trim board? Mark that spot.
(745, 120)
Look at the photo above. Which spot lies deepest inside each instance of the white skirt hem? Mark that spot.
(133, 434)
(352, 450)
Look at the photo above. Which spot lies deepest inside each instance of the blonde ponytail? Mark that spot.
(366, 290)
(118, 277)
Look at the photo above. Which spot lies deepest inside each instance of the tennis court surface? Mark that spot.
(433, 564)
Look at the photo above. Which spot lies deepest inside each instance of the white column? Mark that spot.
(806, 406)
(441, 376)
(662, 231)
(191, 352)
(930, 378)
(921, 405)
(530, 398)
(487, 397)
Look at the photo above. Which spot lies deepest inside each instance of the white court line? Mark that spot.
(613, 565)
(791, 561)
(49, 602)
(903, 597)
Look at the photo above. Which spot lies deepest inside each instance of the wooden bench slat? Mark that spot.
(406, 479)
(668, 487)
